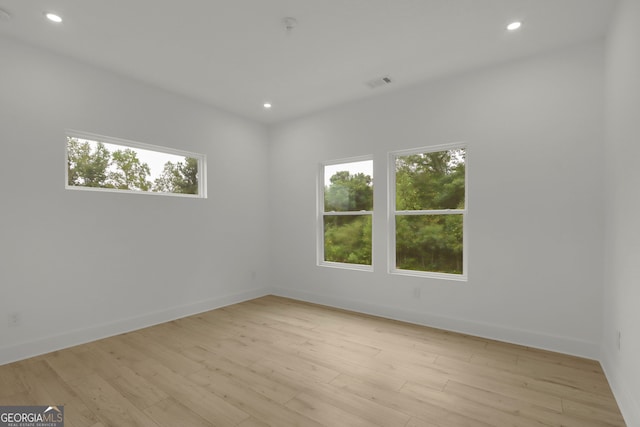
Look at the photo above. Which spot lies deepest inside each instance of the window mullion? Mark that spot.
(347, 213)
(432, 212)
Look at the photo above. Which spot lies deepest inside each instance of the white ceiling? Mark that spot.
(236, 54)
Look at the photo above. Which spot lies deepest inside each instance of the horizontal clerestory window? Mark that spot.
(103, 163)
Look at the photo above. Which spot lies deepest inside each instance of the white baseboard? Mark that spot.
(629, 407)
(485, 330)
(81, 336)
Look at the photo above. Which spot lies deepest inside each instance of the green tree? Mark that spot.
(429, 243)
(347, 239)
(130, 174)
(180, 177)
(430, 181)
(349, 193)
(87, 167)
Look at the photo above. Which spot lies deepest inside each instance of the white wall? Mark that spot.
(534, 130)
(79, 265)
(622, 243)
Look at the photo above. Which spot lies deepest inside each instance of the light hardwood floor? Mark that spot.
(278, 362)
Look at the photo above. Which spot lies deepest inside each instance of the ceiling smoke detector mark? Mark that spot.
(4, 16)
(289, 24)
(380, 81)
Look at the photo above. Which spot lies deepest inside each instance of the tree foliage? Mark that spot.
(130, 174)
(86, 166)
(93, 165)
(349, 193)
(178, 177)
(429, 243)
(348, 238)
(424, 242)
(430, 181)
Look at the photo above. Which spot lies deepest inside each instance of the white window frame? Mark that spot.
(392, 213)
(202, 164)
(321, 214)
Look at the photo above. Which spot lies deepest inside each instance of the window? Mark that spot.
(108, 164)
(345, 214)
(427, 212)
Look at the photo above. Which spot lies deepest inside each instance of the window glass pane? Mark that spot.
(435, 180)
(347, 239)
(99, 164)
(429, 243)
(348, 187)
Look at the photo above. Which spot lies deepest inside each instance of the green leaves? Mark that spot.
(430, 181)
(91, 164)
(429, 243)
(95, 166)
(348, 239)
(429, 239)
(130, 173)
(349, 193)
(178, 177)
(86, 166)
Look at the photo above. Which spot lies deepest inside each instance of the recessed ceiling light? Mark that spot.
(267, 105)
(514, 26)
(53, 17)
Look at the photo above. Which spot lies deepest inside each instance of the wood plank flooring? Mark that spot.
(278, 362)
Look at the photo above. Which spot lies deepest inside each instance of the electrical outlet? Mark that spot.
(417, 292)
(14, 320)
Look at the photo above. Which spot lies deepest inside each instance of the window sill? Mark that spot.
(345, 266)
(430, 275)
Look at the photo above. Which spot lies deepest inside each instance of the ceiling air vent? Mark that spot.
(380, 81)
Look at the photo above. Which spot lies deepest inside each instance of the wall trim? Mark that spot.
(629, 407)
(480, 329)
(554, 343)
(48, 344)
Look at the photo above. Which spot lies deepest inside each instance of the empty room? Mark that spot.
(250, 213)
